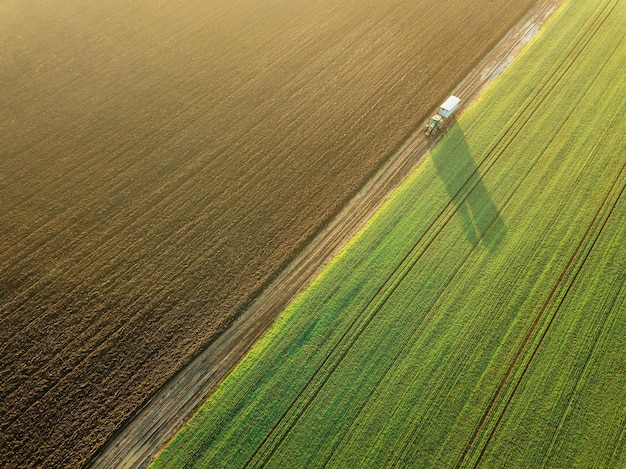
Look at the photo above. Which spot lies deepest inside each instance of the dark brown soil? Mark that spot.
(160, 165)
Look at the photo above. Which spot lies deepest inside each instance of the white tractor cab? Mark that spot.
(445, 111)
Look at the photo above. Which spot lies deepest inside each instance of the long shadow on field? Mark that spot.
(477, 213)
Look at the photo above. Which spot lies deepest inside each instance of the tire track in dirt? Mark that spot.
(138, 442)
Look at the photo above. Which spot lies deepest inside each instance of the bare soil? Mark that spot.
(164, 166)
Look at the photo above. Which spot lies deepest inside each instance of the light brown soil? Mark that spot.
(161, 166)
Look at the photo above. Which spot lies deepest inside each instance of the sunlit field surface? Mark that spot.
(479, 319)
(161, 161)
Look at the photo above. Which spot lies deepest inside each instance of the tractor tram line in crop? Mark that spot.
(576, 388)
(519, 366)
(582, 251)
(514, 366)
(303, 400)
(621, 440)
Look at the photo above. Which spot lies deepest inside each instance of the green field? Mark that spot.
(478, 320)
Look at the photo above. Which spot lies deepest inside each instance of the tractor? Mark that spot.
(445, 111)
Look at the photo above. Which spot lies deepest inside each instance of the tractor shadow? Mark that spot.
(476, 212)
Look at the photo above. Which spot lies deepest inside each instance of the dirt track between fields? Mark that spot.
(140, 440)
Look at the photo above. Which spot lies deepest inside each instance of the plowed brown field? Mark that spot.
(160, 163)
